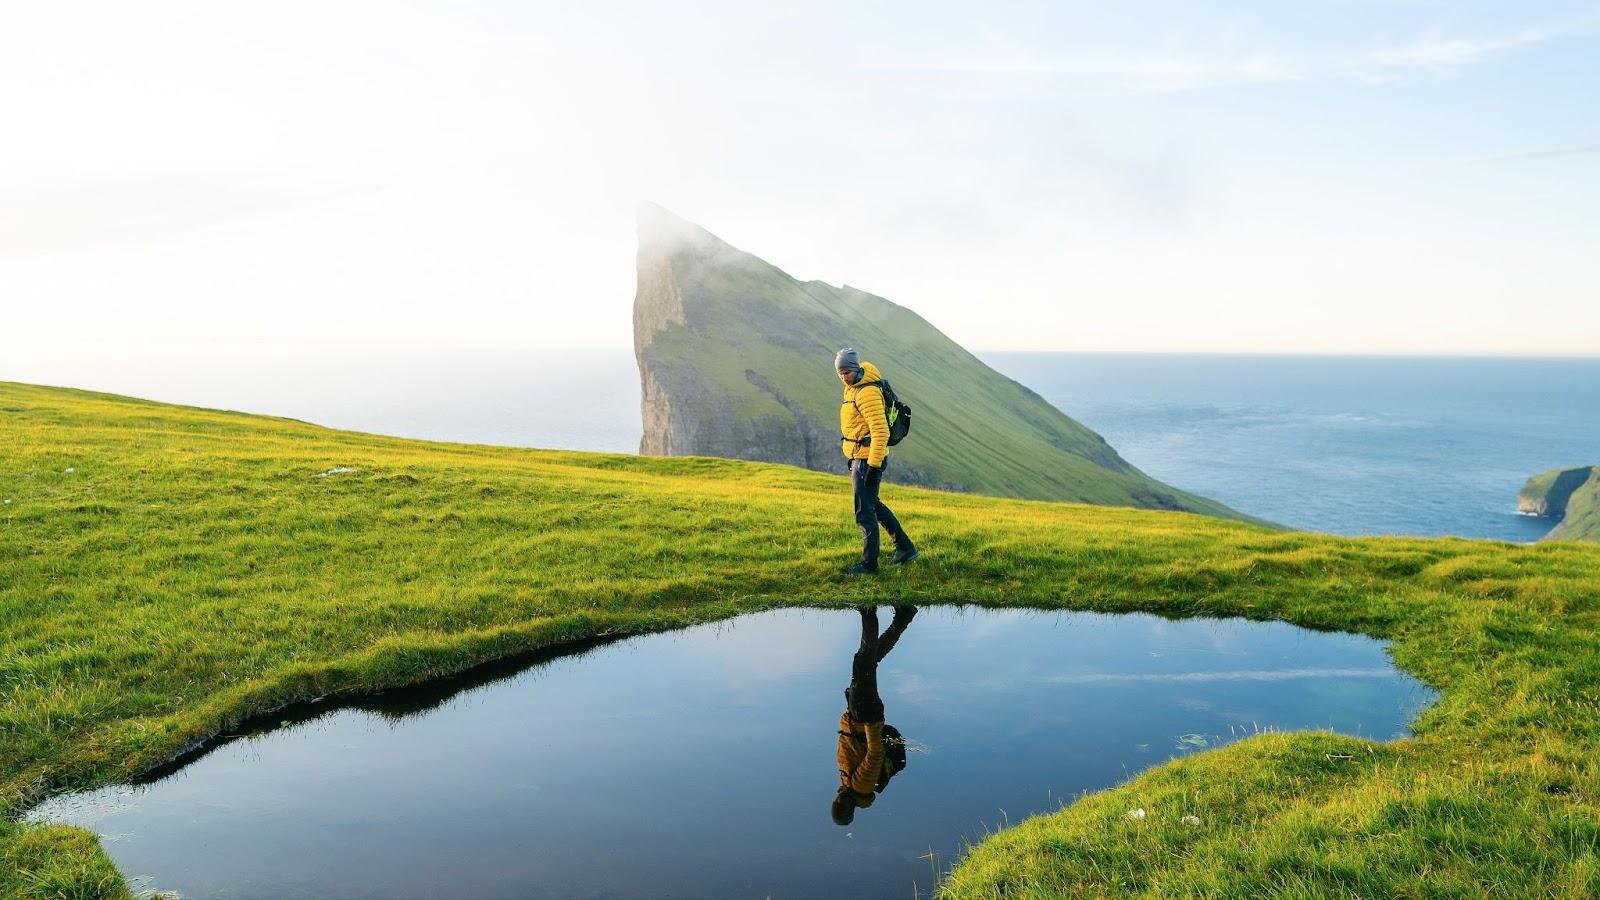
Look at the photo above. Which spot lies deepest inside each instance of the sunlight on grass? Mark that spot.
(167, 571)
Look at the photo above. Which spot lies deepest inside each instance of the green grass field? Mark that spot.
(166, 571)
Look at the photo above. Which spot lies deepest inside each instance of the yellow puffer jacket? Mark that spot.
(862, 415)
(861, 753)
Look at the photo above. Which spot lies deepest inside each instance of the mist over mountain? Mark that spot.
(736, 360)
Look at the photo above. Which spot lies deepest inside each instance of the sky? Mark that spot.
(1340, 177)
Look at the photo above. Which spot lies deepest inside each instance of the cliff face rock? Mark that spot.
(1571, 495)
(736, 360)
(1546, 494)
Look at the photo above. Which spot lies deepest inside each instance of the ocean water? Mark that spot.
(570, 399)
(1346, 445)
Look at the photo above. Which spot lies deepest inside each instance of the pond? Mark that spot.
(704, 762)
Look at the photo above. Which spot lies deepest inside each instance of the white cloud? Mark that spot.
(1544, 153)
(1187, 71)
(182, 171)
(1446, 53)
(1161, 72)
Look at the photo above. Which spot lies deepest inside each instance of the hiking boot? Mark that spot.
(903, 555)
(860, 568)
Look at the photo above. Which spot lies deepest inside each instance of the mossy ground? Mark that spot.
(192, 568)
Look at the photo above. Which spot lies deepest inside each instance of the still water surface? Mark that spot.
(701, 763)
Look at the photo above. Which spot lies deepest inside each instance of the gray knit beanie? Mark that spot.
(847, 358)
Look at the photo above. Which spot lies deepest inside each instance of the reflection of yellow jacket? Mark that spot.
(860, 757)
(862, 415)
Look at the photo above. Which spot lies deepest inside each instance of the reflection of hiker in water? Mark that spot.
(870, 751)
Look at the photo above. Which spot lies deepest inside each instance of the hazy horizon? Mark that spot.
(1353, 178)
(20, 362)
(1351, 445)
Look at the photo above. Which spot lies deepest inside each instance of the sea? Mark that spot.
(1350, 445)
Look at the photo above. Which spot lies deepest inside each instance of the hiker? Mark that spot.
(865, 442)
(871, 751)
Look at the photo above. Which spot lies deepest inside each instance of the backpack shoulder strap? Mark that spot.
(866, 384)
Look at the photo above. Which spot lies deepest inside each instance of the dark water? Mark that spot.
(701, 763)
(1348, 445)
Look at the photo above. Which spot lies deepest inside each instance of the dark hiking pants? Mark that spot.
(870, 511)
(861, 698)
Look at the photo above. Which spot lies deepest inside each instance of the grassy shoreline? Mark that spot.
(195, 567)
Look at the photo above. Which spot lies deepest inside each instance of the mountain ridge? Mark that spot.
(735, 360)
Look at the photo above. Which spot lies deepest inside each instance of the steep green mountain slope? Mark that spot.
(736, 361)
(1582, 522)
(1571, 495)
(166, 571)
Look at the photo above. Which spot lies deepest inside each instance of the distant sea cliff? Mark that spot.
(1570, 495)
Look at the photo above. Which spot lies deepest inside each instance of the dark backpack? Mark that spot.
(894, 755)
(898, 414)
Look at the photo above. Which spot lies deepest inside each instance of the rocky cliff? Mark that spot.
(1570, 495)
(736, 360)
